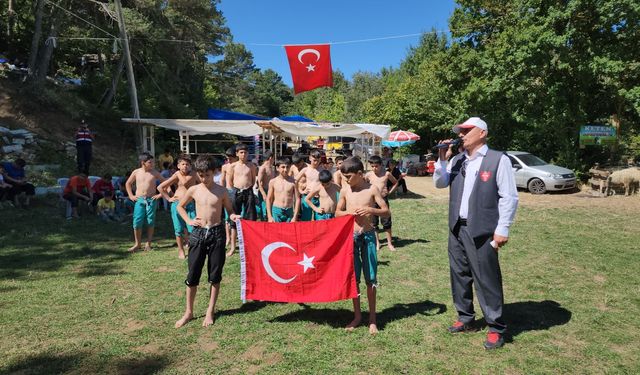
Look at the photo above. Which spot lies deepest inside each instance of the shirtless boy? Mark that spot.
(379, 177)
(231, 158)
(328, 194)
(207, 238)
(241, 176)
(283, 199)
(144, 211)
(297, 164)
(359, 198)
(184, 178)
(265, 174)
(310, 175)
(337, 175)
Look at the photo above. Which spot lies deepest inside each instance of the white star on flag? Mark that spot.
(306, 262)
(311, 68)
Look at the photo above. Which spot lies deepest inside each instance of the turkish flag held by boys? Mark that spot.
(309, 261)
(310, 67)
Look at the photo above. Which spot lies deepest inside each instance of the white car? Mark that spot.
(538, 176)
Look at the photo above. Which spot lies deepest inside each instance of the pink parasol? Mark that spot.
(401, 135)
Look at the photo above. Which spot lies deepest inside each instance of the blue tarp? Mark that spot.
(297, 118)
(219, 114)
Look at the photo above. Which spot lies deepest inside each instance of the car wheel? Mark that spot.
(537, 186)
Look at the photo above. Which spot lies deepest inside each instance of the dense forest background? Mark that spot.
(535, 70)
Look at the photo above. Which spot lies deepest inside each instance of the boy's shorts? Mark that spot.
(325, 216)
(282, 215)
(244, 203)
(206, 243)
(365, 256)
(261, 206)
(306, 213)
(178, 223)
(385, 221)
(144, 213)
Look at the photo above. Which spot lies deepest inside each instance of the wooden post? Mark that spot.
(133, 93)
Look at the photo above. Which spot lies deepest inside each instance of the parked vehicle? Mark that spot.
(538, 176)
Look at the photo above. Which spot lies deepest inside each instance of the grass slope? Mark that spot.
(72, 301)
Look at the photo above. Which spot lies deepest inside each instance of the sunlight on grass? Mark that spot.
(73, 301)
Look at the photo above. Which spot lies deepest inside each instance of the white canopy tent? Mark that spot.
(270, 130)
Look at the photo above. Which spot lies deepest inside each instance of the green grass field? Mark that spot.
(73, 301)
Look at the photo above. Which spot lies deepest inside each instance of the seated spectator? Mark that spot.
(4, 189)
(166, 170)
(102, 186)
(78, 189)
(395, 171)
(166, 157)
(124, 205)
(15, 176)
(106, 208)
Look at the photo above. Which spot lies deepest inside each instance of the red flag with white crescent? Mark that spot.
(309, 261)
(310, 66)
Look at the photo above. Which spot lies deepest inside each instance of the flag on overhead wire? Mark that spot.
(310, 261)
(310, 67)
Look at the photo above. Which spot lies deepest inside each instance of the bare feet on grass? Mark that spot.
(373, 329)
(230, 252)
(181, 254)
(133, 248)
(391, 247)
(186, 318)
(147, 246)
(209, 319)
(352, 326)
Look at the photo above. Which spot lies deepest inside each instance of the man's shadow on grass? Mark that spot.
(534, 316)
(402, 242)
(47, 363)
(408, 195)
(339, 318)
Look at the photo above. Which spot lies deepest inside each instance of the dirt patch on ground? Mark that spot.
(164, 269)
(134, 325)
(424, 186)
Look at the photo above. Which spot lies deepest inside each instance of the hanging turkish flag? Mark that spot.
(310, 261)
(310, 67)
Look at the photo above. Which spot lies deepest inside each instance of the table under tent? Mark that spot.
(271, 134)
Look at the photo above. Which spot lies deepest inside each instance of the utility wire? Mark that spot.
(80, 18)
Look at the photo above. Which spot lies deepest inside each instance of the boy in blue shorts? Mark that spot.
(283, 199)
(359, 198)
(327, 195)
(144, 210)
(309, 177)
(266, 173)
(184, 178)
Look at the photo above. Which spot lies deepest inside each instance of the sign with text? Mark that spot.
(592, 135)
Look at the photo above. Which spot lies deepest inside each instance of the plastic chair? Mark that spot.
(93, 179)
(62, 183)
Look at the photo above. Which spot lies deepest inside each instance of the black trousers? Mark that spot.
(17, 189)
(470, 264)
(84, 156)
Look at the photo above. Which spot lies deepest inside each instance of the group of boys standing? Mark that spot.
(289, 190)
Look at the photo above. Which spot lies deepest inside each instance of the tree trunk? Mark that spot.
(106, 103)
(10, 19)
(35, 42)
(45, 60)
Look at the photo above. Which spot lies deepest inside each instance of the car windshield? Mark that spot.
(531, 160)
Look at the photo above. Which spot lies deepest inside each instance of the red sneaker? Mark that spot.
(458, 327)
(494, 340)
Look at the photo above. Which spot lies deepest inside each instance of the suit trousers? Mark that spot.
(472, 261)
